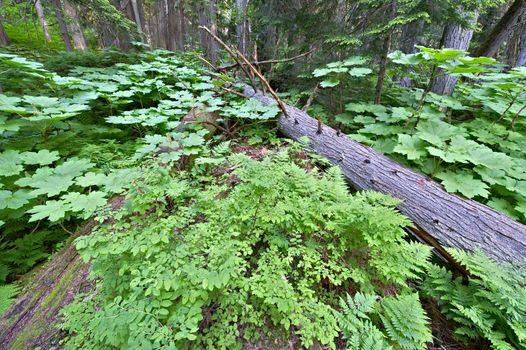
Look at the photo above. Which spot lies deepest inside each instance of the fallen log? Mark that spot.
(31, 322)
(442, 218)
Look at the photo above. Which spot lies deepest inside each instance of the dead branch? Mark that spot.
(258, 63)
(231, 53)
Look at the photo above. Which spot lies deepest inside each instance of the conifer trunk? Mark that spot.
(383, 59)
(42, 19)
(74, 26)
(454, 37)
(4, 39)
(243, 27)
(500, 32)
(521, 56)
(59, 15)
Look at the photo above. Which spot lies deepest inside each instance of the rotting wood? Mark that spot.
(451, 220)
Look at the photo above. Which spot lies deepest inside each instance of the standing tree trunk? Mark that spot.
(171, 25)
(411, 36)
(137, 16)
(180, 35)
(42, 19)
(243, 27)
(207, 14)
(59, 15)
(74, 26)
(458, 38)
(521, 57)
(383, 59)
(4, 40)
(500, 32)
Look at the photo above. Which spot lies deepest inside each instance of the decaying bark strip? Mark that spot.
(451, 220)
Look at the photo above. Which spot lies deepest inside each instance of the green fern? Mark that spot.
(7, 293)
(491, 305)
(405, 321)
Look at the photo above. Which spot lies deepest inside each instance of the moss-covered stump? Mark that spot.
(32, 319)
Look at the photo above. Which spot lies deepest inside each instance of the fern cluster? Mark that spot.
(492, 305)
(210, 265)
(390, 323)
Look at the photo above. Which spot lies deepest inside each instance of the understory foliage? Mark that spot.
(211, 264)
(472, 142)
(213, 249)
(491, 306)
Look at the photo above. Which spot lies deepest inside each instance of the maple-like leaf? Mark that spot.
(463, 183)
(54, 210)
(52, 185)
(411, 146)
(435, 131)
(42, 157)
(91, 179)
(89, 203)
(494, 160)
(10, 163)
(73, 167)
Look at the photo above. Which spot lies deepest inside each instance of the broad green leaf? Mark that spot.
(354, 61)
(91, 179)
(18, 199)
(10, 163)
(41, 174)
(41, 101)
(193, 140)
(331, 82)
(53, 210)
(52, 185)
(360, 72)
(435, 132)
(89, 203)
(119, 180)
(410, 146)
(42, 157)
(73, 167)
(503, 206)
(485, 156)
(463, 183)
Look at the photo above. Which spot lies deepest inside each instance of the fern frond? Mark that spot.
(406, 322)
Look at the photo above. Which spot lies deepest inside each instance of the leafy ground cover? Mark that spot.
(213, 248)
(473, 142)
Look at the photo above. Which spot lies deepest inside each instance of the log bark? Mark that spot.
(31, 321)
(447, 219)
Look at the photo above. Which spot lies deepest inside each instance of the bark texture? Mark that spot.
(59, 15)
(4, 40)
(458, 38)
(493, 42)
(521, 56)
(31, 321)
(383, 60)
(449, 219)
(74, 26)
(243, 27)
(42, 19)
